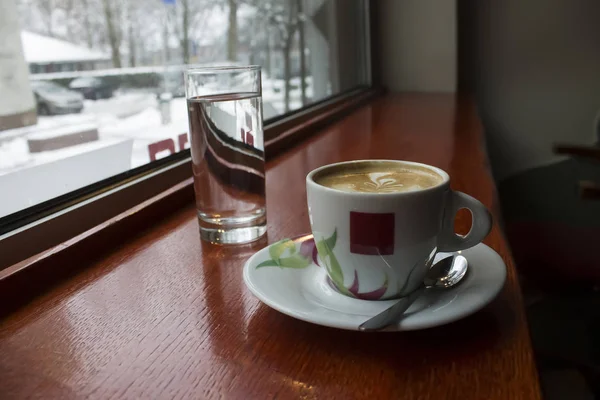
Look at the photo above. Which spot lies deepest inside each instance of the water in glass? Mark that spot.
(228, 165)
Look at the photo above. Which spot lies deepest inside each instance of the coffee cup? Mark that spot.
(377, 224)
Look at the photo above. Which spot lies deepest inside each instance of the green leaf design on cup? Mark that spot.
(284, 255)
(325, 248)
(268, 263)
(295, 261)
(277, 249)
(332, 240)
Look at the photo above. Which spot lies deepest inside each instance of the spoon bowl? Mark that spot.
(447, 272)
(444, 274)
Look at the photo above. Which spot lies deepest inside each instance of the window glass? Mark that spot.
(98, 84)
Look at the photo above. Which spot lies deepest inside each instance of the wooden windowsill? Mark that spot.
(164, 315)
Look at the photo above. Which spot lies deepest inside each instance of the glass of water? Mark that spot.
(228, 157)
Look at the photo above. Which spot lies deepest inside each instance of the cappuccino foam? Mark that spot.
(378, 178)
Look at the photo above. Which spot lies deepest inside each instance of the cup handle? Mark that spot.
(448, 240)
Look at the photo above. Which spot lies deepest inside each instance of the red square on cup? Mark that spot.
(371, 234)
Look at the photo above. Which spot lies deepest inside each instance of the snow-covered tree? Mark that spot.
(282, 19)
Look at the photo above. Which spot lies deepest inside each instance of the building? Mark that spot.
(46, 54)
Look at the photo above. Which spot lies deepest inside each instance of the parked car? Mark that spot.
(92, 88)
(52, 99)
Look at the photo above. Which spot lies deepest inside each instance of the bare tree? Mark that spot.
(78, 21)
(287, 33)
(90, 26)
(134, 39)
(232, 31)
(184, 41)
(138, 27)
(113, 31)
(280, 19)
(283, 16)
(46, 10)
(256, 33)
(131, 43)
(188, 20)
(165, 39)
(87, 25)
(179, 20)
(68, 8)
(302, 45)
(164, 17)
(285, 19)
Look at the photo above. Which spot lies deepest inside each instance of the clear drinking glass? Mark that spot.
(228, 157)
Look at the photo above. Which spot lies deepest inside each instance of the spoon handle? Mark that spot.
(392, 314)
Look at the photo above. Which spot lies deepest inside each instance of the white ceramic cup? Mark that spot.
(377, 246)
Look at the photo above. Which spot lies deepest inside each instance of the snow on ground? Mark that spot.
(125, 116)
(130, 115)
(14, 155)
(121, 106)
(145, 128)
(127, 123)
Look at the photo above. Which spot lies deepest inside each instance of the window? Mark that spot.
(98, 94)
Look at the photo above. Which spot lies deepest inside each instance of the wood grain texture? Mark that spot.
(167, 316)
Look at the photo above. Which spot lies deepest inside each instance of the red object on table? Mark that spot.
(163, 145)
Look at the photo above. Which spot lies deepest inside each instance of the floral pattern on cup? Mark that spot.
(373, 295)
(286, 254)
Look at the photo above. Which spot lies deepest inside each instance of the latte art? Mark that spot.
(375, 180)
(383, 182)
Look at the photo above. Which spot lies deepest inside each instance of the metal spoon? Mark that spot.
(444, 274)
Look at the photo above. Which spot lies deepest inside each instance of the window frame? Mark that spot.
(28, 233)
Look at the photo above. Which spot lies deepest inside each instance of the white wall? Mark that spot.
(17, 106)
(535, 66)
(538, 78)
(418, 45)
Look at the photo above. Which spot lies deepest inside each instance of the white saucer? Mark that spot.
(303, 292)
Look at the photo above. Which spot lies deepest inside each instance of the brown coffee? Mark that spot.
(378, 177)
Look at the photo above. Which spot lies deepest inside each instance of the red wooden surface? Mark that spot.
(167, 316)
